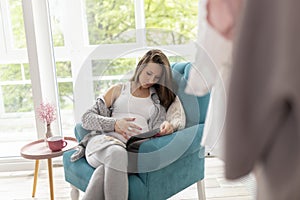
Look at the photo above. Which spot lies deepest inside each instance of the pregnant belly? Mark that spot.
(139, 120)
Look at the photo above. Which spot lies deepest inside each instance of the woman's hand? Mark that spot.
(125, 127)
(166, 128)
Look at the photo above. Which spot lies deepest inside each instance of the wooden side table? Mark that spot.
(38, 150)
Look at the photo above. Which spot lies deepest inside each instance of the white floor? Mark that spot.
(18, 185)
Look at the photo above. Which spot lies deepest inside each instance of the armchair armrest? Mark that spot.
(80, 132)
(162, 151)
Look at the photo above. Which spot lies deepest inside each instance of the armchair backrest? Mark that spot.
(195, 107)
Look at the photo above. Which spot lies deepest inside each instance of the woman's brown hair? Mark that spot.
(164, 86)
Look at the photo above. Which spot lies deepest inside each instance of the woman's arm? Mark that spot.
(175, 118)
(98, 117)
(176, 114)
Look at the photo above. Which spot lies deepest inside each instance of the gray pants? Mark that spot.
(109, 180)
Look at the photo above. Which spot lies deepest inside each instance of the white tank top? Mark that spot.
(127, 105)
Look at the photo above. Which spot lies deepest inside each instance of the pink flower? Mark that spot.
(46, 112)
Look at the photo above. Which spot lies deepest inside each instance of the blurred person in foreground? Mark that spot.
(263, 119)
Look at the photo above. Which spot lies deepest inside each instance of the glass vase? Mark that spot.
(48, 133)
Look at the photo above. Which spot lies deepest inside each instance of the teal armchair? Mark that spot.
(166, 165)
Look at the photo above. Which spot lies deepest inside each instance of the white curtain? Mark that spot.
(210, 72)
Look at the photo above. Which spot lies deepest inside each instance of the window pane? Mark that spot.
(17, 98)
(66, 97)
(26, 71)
(14, 137)
(17, 23)
(17, 108)
(65, 85)
(56, 24)
(171, 21)
(10, 72)
(63, 69)
(110, 22)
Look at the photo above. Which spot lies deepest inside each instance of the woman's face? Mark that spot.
(150, 75)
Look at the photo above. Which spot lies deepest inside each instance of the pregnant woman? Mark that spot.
(144, 103)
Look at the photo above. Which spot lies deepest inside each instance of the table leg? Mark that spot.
(36, 170)
(50, 178)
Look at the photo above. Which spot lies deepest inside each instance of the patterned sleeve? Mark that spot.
(176, 114)
(161, 117)
(98, 117)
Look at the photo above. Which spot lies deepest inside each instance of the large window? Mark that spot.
(95, 40)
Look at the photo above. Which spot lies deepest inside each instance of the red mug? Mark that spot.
(56, 143)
